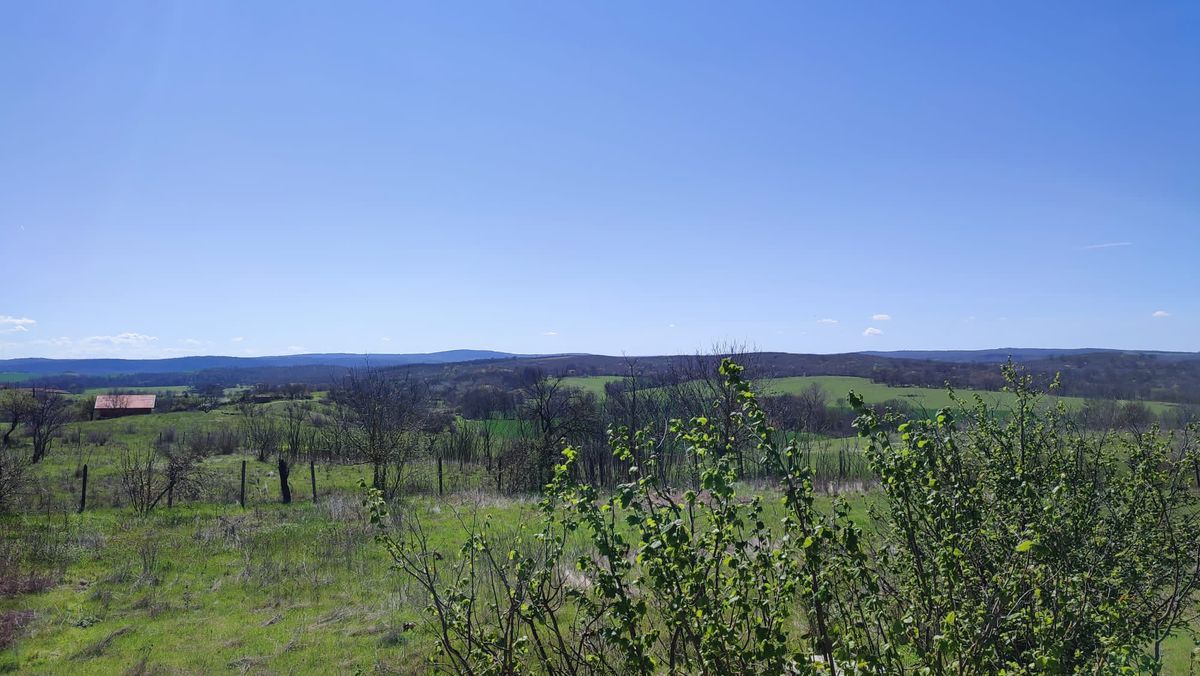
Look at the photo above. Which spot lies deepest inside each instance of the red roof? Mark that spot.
(120, 401)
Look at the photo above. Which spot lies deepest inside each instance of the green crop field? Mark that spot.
(13, 377)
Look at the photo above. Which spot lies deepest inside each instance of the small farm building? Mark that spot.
(117, 405)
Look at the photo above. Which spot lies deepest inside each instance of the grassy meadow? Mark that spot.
(174, 389)
(837, 388)
(207, 586)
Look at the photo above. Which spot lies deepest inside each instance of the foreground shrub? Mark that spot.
(1013, 546)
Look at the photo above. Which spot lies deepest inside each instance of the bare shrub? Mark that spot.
(14, 466)
(148, 548)
(12, 625)
(149, 475)
(222, 441)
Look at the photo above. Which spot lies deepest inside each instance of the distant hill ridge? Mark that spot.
(37, 367)
(105, 367)
(1104, 373)
(1021, 354)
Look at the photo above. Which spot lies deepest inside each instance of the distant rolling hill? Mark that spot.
(1021, 354)
(108, 367)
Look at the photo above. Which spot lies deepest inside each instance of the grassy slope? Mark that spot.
(270, 588)
(920, 397)
(177, 389)
(838, 387)
(593, 384)
(13, 376)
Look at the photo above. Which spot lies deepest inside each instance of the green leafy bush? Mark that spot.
(1014, 546)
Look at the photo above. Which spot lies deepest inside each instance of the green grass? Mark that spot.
(272, 588)
(926, 398)
(176, 389)
(593, 384)
(14, 376)
(502, 428)
(212, 587)
(838, 387)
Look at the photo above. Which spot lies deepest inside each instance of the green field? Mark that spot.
(593, 384)
(211, 587)
(14, 377)
(175, 389)
(922, 398)
(838, 388)
(501, 428)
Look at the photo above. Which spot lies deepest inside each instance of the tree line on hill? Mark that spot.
(1107, 375)
(511, 420)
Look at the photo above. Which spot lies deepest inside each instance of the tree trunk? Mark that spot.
(312, 474)
(4, 443)
(83, 491)
(285, 491)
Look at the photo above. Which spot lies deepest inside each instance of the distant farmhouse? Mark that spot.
(117, 405)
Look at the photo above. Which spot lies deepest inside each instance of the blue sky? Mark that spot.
(273, 177)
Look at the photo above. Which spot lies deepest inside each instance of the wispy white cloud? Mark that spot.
(128, 338)
(1108, 245)
(126, 345)
(1159, 314)
(872, 331)
(549, 333)
(15, 324)
(881, 317)
(827, 321)
(237, 339)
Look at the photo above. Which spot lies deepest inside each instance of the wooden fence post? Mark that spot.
(242, 498)
(439, 475)
(83, 492)
(312, 474)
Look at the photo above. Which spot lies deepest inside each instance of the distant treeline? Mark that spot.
(1108, 375)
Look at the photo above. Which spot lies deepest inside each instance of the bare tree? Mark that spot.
(150, 474)
(376, 417)
(15, 407)
(557, 414)
(14, 463)
(297, 439)
(260, 430)
(45, 419)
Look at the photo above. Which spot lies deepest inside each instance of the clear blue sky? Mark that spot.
(642, 177)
